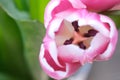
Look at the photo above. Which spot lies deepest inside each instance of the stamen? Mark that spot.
(92, 32)
(68, 41)
(81, 45)
(75, 25)
(87, 35)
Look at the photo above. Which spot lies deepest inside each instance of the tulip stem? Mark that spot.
(82, 73)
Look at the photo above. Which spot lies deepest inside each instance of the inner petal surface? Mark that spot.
(72, 33)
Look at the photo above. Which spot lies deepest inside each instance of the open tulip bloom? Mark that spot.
(75, 37)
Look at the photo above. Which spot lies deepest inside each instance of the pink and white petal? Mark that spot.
(107, 54)
(66, 13)
(93, 16)
(54, 7)
(96, 25)
(110, 49)
(43, 61)
(72, 68)
(66, 29)
(50, 46)
(78, 15)
(54, 27)
(98, 46)
(113, 40)
(47, 67)
(71, 53)
(113, 30)
(99, 26)
(77, 4)
(52, 69)
(64, 33)
(48, 11)
(62, 6)
(95, 21)
(87, 18)
(57, 21)
(83, 13)
(70, 18)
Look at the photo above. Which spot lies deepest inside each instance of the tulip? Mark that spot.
(75, 37)
(100, 5)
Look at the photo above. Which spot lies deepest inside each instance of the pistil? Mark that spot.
(75, 25)
(81, 45)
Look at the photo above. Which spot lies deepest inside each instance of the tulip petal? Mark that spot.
(54, 7)
(52, 69)
(65, 32)
(51, 48)
(71, 53)
(113, 40)
(98, 46)
(77, 4)
(57, 6)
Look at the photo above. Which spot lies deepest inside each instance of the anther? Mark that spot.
(75, 25)
(92, 32)
(81, 45)
(87, 35)
(67, 42)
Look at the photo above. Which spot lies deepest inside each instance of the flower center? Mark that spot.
(77, 35)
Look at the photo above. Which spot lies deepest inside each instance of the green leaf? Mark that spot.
(12, 59)
(33, 32)
(114, 12)
(21, 5)
(116, 19)
(8, 77)
(13, 11)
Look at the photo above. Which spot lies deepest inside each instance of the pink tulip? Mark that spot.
(75, 37)
(100, 5)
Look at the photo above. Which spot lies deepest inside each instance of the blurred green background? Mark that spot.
(21, 33)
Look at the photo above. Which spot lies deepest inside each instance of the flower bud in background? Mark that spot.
(117, 7)
(75, 37)
(100, 5)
